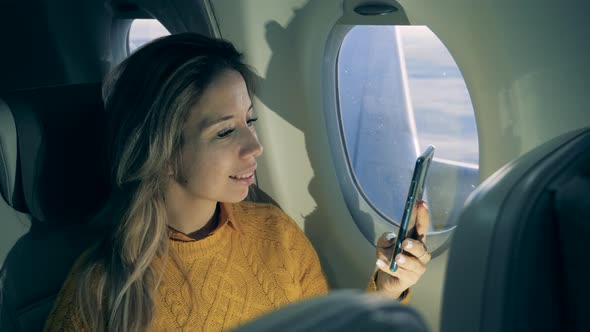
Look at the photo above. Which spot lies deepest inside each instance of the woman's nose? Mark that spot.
(251, 146)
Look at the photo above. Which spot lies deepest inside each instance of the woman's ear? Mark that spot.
(173, 166)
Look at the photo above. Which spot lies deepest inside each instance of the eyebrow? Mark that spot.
(209, 123)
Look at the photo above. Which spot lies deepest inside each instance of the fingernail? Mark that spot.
(400, 258)
(381, 264)
(390, 236)
(409, 244)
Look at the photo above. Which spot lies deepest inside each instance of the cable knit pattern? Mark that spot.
(257, 260)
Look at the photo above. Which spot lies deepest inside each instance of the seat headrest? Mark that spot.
(60, 172)
(8, 156)
(342, 311)
(509, 265)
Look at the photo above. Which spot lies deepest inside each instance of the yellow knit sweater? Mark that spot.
(256, 260)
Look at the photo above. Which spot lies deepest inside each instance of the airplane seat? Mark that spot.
(55, 173)
(517, 261)
(342, 311)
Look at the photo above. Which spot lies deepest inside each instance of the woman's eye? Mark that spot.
(224, 133)
(249, 122)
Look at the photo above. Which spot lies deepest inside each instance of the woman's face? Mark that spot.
(220, 146)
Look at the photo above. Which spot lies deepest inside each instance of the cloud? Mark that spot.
(448, 96)
(442, 105)
(452, 147)
(423, 47)
(145, 30)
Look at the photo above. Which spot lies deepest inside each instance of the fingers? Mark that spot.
(384, 254)
(403, 277)
(417, 249)
(410, 263)
(404, 262)
(409, 270)
(422, 221)
(385, 247)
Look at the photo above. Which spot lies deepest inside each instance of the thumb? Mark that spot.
(386, 240)
(422, 221)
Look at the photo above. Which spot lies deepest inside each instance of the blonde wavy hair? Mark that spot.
(147, 99)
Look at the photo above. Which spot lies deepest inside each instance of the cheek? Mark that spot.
(192, 160)
(205, 163)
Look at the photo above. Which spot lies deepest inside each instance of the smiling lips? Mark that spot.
(247, 177)
(243, 176)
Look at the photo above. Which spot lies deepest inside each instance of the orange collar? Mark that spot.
(226, 217)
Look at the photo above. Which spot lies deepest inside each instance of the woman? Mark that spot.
(179, 250)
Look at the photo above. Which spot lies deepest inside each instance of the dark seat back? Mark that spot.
(518, 259)
(59, 179)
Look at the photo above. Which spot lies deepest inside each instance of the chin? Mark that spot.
(236, 197)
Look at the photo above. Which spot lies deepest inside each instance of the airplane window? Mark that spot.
(399, 91)
(143, 31)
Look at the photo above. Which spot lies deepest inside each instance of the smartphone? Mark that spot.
(408, 222)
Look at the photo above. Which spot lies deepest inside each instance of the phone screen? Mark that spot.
(415, 193)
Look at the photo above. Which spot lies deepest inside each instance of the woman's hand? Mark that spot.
(411, 262)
